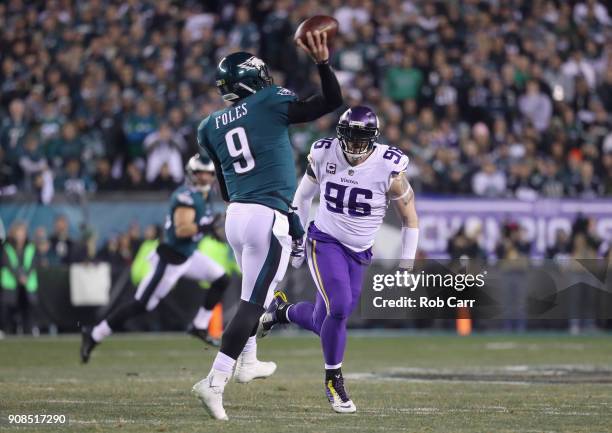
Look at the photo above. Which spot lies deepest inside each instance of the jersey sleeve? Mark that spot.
(317, 155)
(277, 99)
(183, 199)
(206, 150)
(395, 162)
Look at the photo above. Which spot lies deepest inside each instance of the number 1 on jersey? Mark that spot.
(241, 150)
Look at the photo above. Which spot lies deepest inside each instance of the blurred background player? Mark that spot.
(355, 177)
(249, 144)
(190, 217)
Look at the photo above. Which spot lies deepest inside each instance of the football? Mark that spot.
(322, 23)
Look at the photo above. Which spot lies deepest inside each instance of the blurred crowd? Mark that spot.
(492, 98)
(64, 245)
(27, 254)
(515, 243)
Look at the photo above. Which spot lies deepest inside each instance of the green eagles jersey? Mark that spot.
(185, 196)
(250, 141)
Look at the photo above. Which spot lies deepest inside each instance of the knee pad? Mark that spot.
(340, 310)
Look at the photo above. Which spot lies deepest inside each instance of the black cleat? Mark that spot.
(202, 334)
(87, 345)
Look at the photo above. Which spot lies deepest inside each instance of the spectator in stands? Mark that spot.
(45, 256)
(536, 106)
(586, 184)
(110, 253)
(164, 147)
(464, 244)
(13, 130)
(68, 145)
(97, 77)
(562, 246)
(403, 81)
(604, 91)
(134, 179)
(7, 180)
(489, 181)
(137, 127)
(38, 178)
(61, 243)
(164, 181)
(74, 181)
(103, 178)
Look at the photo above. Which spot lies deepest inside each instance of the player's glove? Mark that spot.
(296, 231)
(206, 224)
(297, 253)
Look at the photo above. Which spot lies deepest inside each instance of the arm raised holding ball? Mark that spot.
(330, 99)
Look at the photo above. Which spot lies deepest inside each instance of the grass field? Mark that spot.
(415, 383)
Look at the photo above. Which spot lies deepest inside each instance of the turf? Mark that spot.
(415, 383)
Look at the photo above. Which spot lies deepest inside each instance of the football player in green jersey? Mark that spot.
(248, 142)
(189, 218)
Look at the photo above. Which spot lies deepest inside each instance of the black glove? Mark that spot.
(296, 231)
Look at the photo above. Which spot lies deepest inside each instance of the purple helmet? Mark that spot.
(357, 130)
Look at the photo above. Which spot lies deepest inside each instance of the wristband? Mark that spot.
(410, 239)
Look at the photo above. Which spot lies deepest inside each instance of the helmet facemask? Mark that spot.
(356, 139)
(196, 183)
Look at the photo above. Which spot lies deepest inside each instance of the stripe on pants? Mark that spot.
(155, 280)
(314, 270)
(268, 272)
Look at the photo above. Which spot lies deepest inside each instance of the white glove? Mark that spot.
(297, 253)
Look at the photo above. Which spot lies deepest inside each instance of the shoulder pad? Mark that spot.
(394, 159)
(185, 198)
(322, 144)
(284, 92)
(203, 123)
(319, 148)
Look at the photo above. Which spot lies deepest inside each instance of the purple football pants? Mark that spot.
(338, 275)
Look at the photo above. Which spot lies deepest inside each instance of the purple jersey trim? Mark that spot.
(363, 257)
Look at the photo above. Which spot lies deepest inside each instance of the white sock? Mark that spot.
(218, 379)
(332, 367)
(202, 318)
(223, 363)
(249, 353)
(101, 331)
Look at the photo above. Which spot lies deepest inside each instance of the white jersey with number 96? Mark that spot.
(353, 199)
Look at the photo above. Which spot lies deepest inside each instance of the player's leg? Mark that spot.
(306, 315)
(203, 268)
(330, 267)
(357, 272)
(152, 289)
(259, 237)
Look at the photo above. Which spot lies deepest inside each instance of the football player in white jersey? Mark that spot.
(356, 178)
